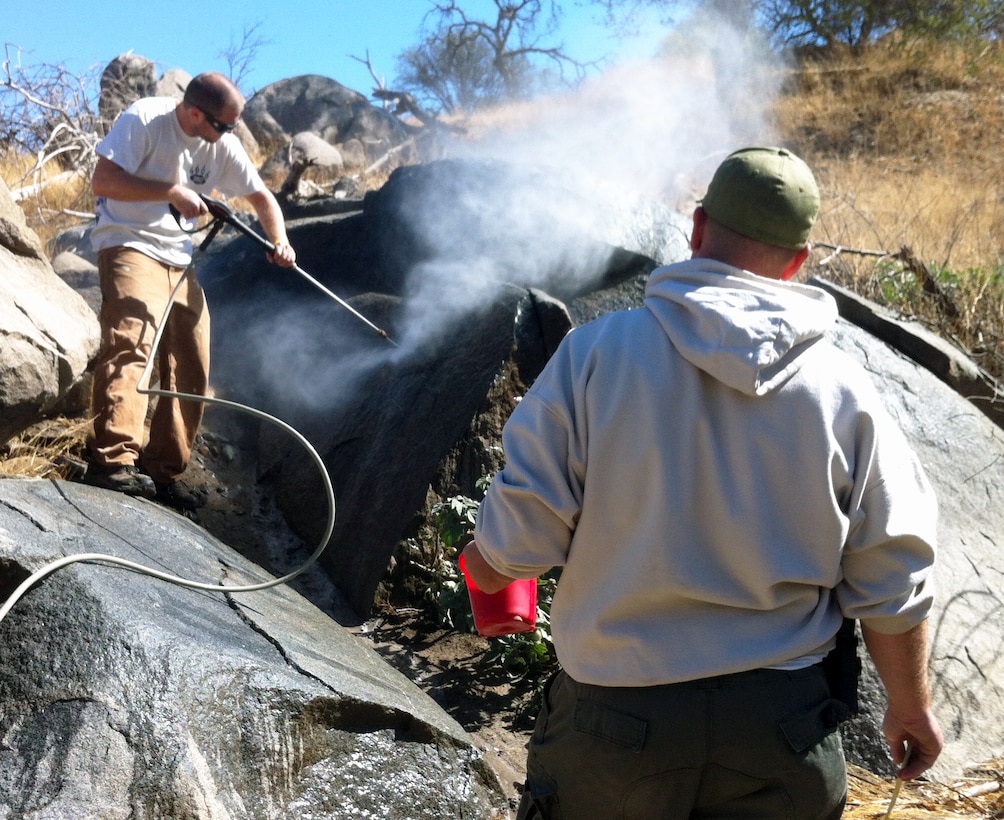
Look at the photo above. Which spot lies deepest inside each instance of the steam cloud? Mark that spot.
(648, 131)
(652, 129)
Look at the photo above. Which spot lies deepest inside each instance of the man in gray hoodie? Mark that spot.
(721, 488)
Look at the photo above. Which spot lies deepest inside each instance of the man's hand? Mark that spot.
(485, 578)
(270, 217)
(284, 256)
(187, 202)
(922, 732)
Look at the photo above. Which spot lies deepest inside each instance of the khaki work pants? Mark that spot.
(759, 745)
(135, 290)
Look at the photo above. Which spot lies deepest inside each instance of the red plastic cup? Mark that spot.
(506, 612)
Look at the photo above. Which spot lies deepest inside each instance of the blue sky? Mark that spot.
(305, 37)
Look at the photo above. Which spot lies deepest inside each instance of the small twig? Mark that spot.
(381, 82)
(981, 789)
(838, 249)
(899, 783)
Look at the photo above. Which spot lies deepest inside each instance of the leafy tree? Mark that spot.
(829, 22)
(464, 61)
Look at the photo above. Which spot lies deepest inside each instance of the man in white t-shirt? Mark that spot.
(162, 153)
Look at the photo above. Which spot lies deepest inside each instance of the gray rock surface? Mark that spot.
(48, 334)
(326, 108)
(124, 80)
(122, 695)
(963, 454)
(81, 275)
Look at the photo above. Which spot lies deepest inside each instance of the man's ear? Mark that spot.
(795, 264)
(697, 232)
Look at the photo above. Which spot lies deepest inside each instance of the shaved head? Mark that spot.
(213, 92)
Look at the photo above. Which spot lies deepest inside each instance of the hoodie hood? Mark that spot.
(746, 331)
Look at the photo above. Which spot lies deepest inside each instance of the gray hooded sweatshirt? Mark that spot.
(718, 483)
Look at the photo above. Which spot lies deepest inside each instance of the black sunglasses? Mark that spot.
(221, 127)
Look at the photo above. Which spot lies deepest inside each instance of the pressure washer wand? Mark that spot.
(221, 211)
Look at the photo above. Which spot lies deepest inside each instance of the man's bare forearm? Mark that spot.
(901, 662)
(114, 182)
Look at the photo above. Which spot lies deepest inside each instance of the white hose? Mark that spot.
(95, 557)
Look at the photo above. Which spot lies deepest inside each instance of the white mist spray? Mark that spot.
(568, 174)
(651, 129)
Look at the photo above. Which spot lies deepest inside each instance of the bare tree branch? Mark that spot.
(381, 83)
(48, 114)
(241, 55)
(466, 61)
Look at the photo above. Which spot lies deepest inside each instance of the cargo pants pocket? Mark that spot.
(804, 730)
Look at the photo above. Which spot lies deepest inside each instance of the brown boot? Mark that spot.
(128, 479)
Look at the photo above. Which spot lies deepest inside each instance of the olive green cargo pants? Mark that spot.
(758, 745)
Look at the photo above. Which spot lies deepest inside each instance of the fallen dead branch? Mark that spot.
(910, 262)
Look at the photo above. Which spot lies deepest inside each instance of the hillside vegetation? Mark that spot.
(905, 141)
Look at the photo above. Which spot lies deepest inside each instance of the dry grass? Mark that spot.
(905, 142)
(976, 795)
(55, 200)
(49, 449)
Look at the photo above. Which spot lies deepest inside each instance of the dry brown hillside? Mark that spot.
(906, 143)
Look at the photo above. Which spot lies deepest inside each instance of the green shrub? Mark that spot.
(519, 656)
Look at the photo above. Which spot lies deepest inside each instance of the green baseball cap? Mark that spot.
(766, 194)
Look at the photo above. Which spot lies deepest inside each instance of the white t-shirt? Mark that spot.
(147, 141)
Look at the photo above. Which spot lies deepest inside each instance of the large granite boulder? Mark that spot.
(962, 451)
(48, 334)
(450, 259)
(123, 695)
(124, 80)
(322, 106)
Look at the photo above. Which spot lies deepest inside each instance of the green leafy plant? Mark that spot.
(453, 521)
(519, 656)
